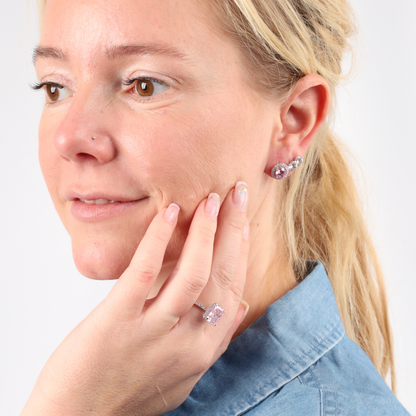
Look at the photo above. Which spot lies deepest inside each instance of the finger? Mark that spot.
(239, 318)
(227, 245)
(191, 275)
(231, 301)
(234, 295)
(134, 285)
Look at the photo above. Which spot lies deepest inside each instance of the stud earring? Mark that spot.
(280, 171)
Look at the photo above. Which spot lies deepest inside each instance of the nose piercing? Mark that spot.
(93, 138)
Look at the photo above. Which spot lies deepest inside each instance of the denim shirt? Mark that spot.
(295, 360)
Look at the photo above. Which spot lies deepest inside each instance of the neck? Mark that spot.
(269, 274)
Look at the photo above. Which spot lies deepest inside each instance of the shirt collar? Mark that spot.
(294, 332)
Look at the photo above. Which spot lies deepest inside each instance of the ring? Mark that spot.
(213, 313)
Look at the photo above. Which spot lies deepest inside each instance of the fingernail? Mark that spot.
(212, 205)
(240, 196)
(246, 307)
(171, 213)
(246, 231)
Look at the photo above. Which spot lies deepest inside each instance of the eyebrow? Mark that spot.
(42, 52)
(114, 52)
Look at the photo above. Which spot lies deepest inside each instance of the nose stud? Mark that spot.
(93, 138)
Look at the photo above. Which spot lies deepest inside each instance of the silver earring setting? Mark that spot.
(280, 171)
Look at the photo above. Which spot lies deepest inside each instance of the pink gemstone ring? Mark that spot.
(213, 313)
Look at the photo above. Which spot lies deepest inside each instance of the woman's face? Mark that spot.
(188, 127)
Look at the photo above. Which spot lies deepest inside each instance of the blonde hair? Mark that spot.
(280, 42)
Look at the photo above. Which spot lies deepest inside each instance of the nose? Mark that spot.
(84, 134)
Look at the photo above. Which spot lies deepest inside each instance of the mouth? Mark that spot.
(97, 197)
(98, 201)
(101, 208)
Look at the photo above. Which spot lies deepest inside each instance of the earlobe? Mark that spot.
(301, 116)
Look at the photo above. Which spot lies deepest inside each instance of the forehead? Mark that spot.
(83, 29)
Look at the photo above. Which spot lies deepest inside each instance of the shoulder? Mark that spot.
(342, 382)
(295, 360)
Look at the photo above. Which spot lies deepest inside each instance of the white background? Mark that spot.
(43, 297)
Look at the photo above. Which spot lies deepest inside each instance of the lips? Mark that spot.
(97, 206)
(100, 201)
(102, 209)
(100, 197)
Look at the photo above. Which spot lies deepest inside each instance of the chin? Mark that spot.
(107, 260)
(97, 273)
(97, 266)
(100, 260)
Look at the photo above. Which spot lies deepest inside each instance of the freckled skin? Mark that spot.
(199, 136)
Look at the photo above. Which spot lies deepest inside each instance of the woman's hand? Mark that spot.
(133, 356)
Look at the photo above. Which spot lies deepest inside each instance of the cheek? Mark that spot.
(186, 153)
(177, 154)
(48, 157)
(103, 255)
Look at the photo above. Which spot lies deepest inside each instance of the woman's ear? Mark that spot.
(301, 116)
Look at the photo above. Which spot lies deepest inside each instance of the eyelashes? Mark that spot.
(53, 91)
(144, 87)
(37, 86)
(156, 81)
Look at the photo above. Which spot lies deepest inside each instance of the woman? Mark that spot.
(161, 118)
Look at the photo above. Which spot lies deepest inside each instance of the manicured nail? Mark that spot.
(246, 307)
(171, 213)
(240, 196)
(246, 231)
(212, 205)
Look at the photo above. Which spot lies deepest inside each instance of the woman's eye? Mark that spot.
(57, 92)
(146, 87)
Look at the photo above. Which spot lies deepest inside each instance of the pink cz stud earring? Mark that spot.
(280, 171)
